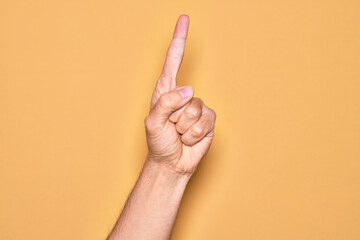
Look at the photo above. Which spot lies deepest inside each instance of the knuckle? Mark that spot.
(148, 123)
(212, 114)
(197, 131)
(192, 112)
(198, 100)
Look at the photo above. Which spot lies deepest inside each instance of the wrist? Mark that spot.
(166, 170)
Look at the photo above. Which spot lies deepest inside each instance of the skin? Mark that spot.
(179, 131)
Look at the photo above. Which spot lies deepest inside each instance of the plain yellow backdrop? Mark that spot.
(76, 78)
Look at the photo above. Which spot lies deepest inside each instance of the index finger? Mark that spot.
(176, 50)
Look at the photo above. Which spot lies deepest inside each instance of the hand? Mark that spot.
(179, 127)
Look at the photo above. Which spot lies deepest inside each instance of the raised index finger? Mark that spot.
(176, 50)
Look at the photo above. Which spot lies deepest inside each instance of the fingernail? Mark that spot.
(186, 92)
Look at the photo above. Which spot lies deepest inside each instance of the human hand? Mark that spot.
(179, 127)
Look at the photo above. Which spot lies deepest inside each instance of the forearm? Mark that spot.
(151, 208)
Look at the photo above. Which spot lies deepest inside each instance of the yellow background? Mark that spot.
(76, 78)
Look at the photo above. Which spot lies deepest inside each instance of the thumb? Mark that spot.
(167, 104)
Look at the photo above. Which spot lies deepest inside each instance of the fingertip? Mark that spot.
(186, 92)
(185, 140)
(184, 17)
(182, 26)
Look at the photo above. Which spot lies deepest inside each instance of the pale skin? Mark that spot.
(179, 132)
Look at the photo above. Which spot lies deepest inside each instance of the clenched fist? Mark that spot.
(179, 127)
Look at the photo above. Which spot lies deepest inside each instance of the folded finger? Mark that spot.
(190, 115)
(200, 129)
